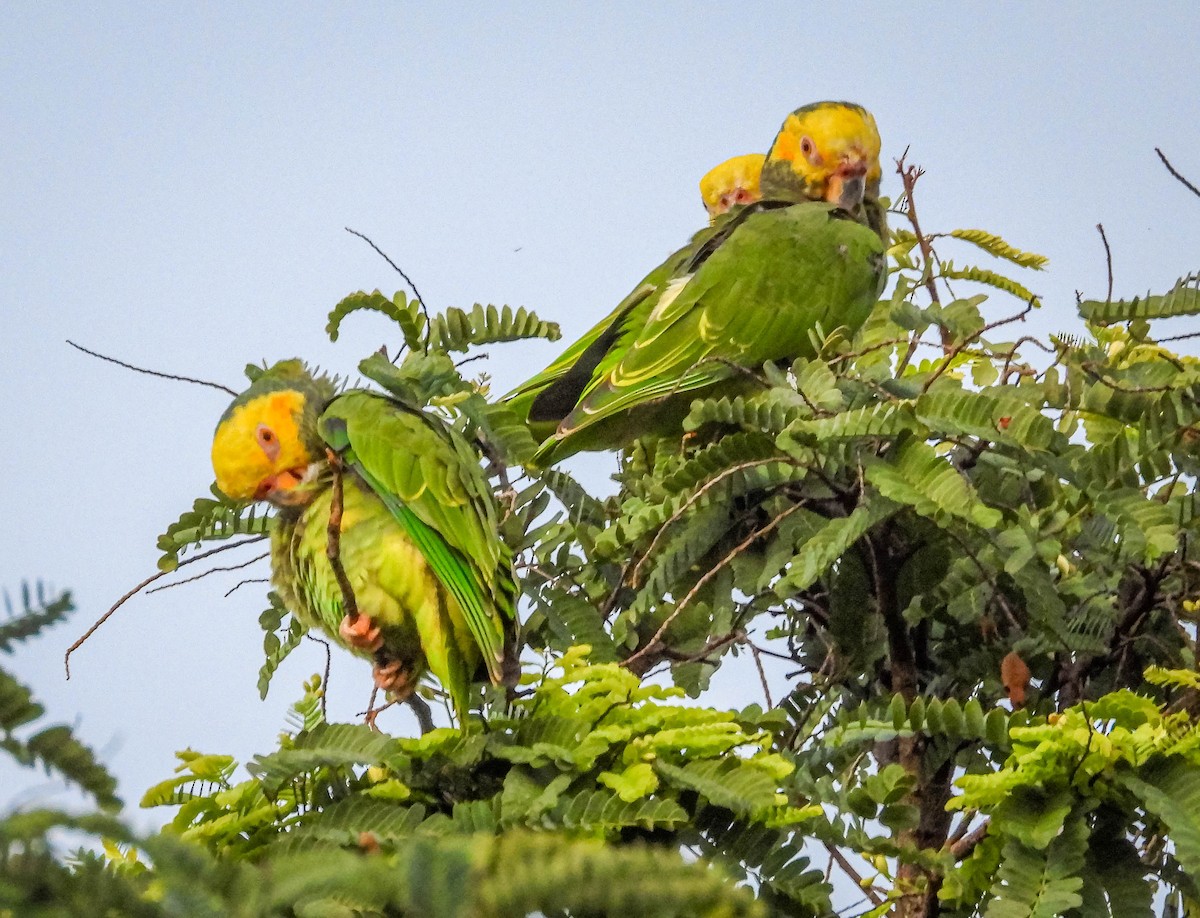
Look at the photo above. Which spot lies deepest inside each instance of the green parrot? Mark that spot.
(432, 582)
(744, 291)
(732, 182)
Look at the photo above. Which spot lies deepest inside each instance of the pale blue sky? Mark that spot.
(175, 180)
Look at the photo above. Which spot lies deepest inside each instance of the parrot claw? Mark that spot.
(394, 678)
(361, 633)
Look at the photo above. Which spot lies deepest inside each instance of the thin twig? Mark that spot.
(1166, 162)
(141, 586)
(953, 351)
(1183, 337)
(325, 676)
(1107, 260)
(691, 594)
(241, 583)
(333, 542)
(909, 176)
(408, 280)
(130, 366)
(870, 891)
(762, 674)
(708, 486)
(211, 570)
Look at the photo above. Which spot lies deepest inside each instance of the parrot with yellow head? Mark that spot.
(733, 182)
(747, 290)
(417, 539)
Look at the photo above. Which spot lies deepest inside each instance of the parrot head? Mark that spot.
(266, 446)
(735, 181)
(827, 151)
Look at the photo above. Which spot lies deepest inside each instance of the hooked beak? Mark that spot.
(281, 488)
(848, 183)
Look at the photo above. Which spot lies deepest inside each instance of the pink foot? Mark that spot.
(394, 678)
(361, 633)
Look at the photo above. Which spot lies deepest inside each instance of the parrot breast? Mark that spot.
(393, 584)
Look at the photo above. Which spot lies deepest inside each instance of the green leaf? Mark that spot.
(918, 477)
(1183, 299)
(994, 245)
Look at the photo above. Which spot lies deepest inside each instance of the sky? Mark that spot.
(175, 181)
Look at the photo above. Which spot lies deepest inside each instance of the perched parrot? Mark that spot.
(723, 187)
(747, 290)
(735, 181)
(432, 582)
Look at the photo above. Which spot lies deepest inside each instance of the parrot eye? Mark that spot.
(267, 441)
(809, 149)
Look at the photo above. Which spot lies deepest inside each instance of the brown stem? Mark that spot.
(1107, 260)
(130, 366)
(333, 543)
(652, 646)
(909, 175)
(1166, 162)
(965, 845)
(848, 868)
(141, 586)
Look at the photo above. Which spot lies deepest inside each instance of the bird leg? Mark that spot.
(394, 677)
(361, 633)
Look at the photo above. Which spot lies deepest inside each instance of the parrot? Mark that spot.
(747, 290)
(725, 186)
(734, 181)
(432, 581)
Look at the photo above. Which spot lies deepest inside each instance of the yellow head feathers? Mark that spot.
(825, 151)
(735, 181)
(258, 451)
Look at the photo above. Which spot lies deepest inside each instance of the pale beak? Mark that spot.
(280, 488)
(848, 184)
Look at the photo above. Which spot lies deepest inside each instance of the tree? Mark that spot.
(973, 552)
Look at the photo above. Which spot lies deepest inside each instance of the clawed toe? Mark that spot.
(361, 633)
(394, 678)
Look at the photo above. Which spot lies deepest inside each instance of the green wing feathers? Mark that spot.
(545, 399)
(751, 296)
(430, 480)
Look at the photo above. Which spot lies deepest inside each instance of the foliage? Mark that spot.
(54, 748)
(969, 551)
(590, 755)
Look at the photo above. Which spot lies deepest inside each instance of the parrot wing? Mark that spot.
(553, 393)
(754, 297)
(430, 480)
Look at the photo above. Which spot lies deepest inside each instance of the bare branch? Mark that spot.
(708, 486)
(762, 673)
(848, 868)
(1166, 162)
(952, 352)
(211, 570)
(1107, 260)
(325, 676)
(652, 644)
(241, 583)
(421, 711)
(909, 176)
(130, 366)
(141, 586)
(333, 541)
(408, 280)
